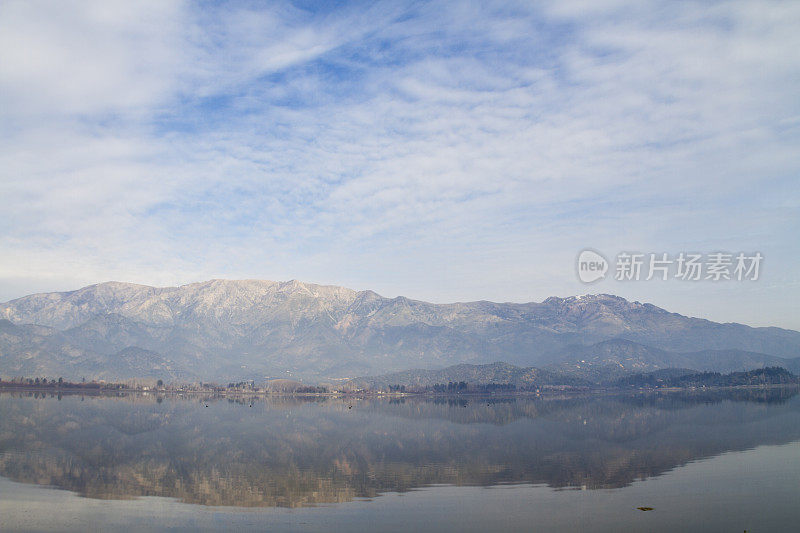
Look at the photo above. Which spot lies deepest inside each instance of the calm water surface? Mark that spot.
(703, 462)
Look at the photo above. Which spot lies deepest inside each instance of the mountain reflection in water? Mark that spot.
(291, 452)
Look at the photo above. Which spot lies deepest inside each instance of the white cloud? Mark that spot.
(445, 151)
(86, 57)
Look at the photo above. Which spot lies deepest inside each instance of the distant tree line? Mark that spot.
(242, 385)
(772, 375)
(451, 386)
(60, 383)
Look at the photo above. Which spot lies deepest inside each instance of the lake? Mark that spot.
(703, 461)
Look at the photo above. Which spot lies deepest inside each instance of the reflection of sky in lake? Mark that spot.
(754, 490)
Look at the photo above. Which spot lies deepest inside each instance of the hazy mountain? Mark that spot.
(617, 357)
(604, 363)
(223, 330)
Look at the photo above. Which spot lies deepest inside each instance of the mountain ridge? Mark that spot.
(253, 329)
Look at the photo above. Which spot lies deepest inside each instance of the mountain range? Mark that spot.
(254, 329)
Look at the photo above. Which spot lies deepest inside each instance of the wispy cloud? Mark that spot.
(447, 150)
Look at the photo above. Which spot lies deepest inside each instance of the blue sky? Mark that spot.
(446, 151)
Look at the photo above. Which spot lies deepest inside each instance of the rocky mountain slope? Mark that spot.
(251, 329)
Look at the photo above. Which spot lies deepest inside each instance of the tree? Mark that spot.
(160, 383)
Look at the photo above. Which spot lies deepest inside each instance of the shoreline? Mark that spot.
(227, 393)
